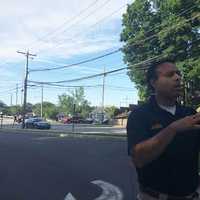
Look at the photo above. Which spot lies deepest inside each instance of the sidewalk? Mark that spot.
(63, 133)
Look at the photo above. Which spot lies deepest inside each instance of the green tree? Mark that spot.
(77, 97)
(3, 107)
(159, 29)
(85, 108)
(111, 111)
(49, 110)
(66, 104)
(12, 110)
(29, 107)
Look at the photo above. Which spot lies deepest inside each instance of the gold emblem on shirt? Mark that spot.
(156, 126)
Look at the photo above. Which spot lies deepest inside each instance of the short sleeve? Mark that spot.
(136, 129)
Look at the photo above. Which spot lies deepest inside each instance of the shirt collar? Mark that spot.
(153, 103)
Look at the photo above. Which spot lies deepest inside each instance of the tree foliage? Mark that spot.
(13, 110)
(65, 105)
(49, 110)
(158, 29)
(3, 107)
(77, 97)
(111, 111)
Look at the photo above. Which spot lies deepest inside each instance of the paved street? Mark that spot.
(78, 128)
(41, 167)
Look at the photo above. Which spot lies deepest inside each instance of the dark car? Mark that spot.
(74, 119)
(38, 123)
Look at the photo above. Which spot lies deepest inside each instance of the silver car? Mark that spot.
(38, 123)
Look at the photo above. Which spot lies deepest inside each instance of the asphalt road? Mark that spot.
(78, 128)
(41, 167)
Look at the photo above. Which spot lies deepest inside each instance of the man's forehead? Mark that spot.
(166, 67)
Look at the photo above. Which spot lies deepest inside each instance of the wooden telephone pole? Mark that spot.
(27, 54)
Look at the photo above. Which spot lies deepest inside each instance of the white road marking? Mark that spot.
(69, 196)
(110, 192)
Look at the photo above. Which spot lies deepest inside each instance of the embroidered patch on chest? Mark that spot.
(156, 126)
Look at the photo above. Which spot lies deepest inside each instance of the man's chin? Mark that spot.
(178, 94)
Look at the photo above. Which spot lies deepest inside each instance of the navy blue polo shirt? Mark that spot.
(175, 171)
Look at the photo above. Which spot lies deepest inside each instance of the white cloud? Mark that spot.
(52, 30)
(26, 22)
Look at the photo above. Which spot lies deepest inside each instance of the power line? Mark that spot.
(63, 24)
(78, 33)
(64, 86)
(97, 75)
(183, 12)
(162, 31)
(101, 6)
(84, 67)
(113, 52)
(78, 63)
(139, 66)
(82, 78)
(93, 25)
(180, 14)
(83, 18)
(10, 90)
(119, 87)
(56, 86)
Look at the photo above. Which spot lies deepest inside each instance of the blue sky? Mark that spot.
(61, 33)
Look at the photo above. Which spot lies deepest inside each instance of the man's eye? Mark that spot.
(170, 74)
(179, 73)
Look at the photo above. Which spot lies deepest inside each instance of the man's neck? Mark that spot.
(165, 101)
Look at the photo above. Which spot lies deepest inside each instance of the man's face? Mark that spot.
(168, 82)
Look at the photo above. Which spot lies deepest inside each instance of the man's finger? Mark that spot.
(197, 115)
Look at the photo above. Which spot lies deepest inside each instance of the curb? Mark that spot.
(60, 133)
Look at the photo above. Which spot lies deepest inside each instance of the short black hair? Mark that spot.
(152, 70)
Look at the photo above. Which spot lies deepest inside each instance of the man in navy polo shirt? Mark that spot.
(164, 139)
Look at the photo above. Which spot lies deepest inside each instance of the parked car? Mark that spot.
(38, 123)
(105, 121)
(66, 120)
(88, 121)
(76, 120)
(99, 121)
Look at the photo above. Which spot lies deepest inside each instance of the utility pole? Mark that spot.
(126, 100)
(103, 90)
(27, 54)
(11, 99)
(41, 112)
(16, 94)
(73, 117)
(22, 90)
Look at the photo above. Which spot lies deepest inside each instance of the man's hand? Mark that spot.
(186, 123)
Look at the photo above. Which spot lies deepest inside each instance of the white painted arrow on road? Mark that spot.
(109, 192)
(69, 196)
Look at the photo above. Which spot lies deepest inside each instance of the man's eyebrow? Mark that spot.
(178, 71)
